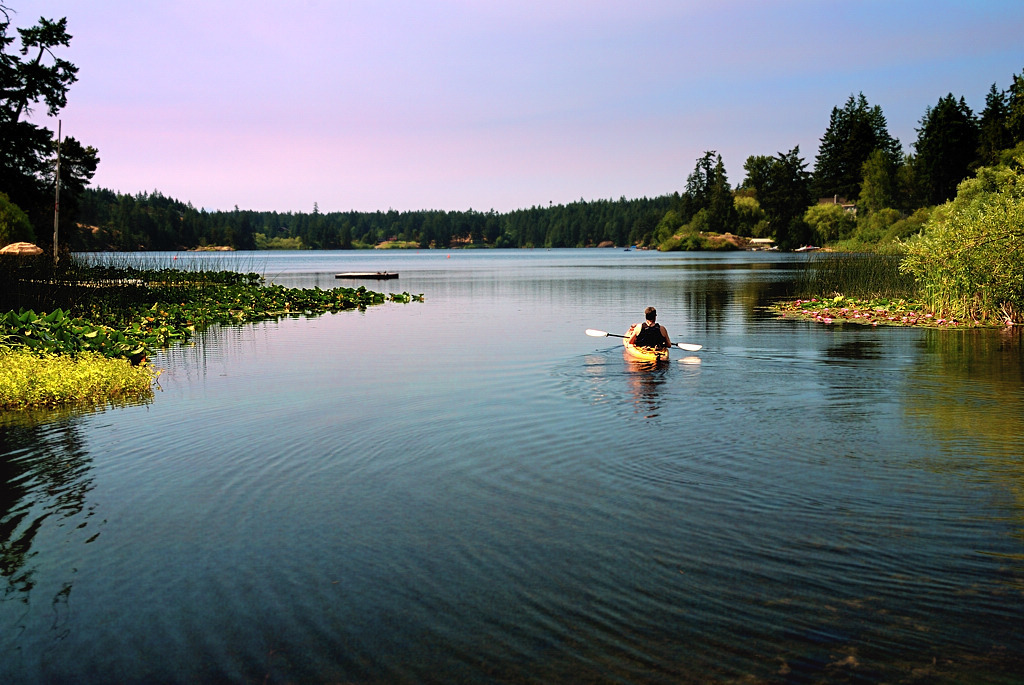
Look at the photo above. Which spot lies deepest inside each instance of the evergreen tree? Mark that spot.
(993, 130)
(907, 188)
(878, 188)
(947, 145)
(29, 76)
(707, 188)
(1015, 111)
(699, 186)
(853, 133)
(757, 168)
(721, 208)
(785, 197)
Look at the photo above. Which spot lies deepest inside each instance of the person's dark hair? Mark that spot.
(651, 314)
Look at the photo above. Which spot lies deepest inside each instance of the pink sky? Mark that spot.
(487, 104)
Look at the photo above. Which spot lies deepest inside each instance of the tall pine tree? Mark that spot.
(785, 194)
(721, 208)
(947, 145)
(993, 131)
(1015, 110)
(853, 133)
(707, 188)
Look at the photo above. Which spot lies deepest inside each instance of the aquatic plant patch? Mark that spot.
(127, 313)
(119, 315)
(31, 379)
(867, 312)
(57, 332)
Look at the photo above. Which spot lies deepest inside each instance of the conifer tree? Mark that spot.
(785, 196)
(1015, 111)
(853, 133)
(947, 145)
(993, 128)
(32, 75)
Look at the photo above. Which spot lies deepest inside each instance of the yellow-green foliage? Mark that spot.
(969, 259)
(398, 245)
(749, 216)
(830, 222)
(278, 243)
(29, 379)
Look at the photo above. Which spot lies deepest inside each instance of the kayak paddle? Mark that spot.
(594, 333)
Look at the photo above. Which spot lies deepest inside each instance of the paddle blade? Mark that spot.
(689, 347)
(594, 333)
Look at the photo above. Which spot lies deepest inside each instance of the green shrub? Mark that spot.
(969, 259)
(830, 222)
(262, 242)
(872, 227)
(686, 242)
(907, 226)
(670, 224)
(14, 224)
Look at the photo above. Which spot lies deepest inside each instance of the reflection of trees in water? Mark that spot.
(44, 476)
(722, 294)
(968, 392)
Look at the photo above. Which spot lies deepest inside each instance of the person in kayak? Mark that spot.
(649, 333)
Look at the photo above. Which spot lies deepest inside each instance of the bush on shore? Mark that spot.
(969, 259)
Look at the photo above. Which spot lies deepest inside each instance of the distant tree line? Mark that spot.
(863, 189)
(151, 221)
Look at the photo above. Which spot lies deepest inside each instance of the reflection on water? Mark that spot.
(471, 489)
(45, 478)
(967, 393)
(643, 378)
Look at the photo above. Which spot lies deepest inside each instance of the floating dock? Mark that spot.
(369, 275)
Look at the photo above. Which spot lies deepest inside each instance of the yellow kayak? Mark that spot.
(647, 354)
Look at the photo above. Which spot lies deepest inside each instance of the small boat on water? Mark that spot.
(647, 354)
(369, 275)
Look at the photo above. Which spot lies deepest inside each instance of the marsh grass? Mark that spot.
(190, 262)
(855, 275)
(72, 285)
(111, 290)
(30, 379)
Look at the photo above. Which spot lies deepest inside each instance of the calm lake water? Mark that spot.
(470, 489)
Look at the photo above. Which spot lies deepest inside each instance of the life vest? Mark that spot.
(649, 336)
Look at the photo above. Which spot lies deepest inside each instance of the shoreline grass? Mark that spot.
(866, 289)
(866, 275)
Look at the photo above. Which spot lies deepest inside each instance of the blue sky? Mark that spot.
(492, 104)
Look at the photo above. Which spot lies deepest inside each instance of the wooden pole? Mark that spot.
(56, 199)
